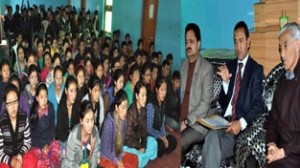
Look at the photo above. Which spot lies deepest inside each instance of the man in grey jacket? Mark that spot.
(196, 89)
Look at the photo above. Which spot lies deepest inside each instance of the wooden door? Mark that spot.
(83, 4)
(149, 22)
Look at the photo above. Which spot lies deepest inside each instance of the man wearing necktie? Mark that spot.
(283, 123)
(240, 98)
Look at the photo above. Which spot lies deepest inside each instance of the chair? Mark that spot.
(251, 142)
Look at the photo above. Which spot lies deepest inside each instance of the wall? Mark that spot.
(127, 16)
(216, 20)
(168, 30)
(2, 5)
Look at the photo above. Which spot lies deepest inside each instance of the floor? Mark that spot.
(171, 160)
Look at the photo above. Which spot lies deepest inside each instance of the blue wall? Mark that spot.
(2, 5)
(127, 16)
(216, 20)
(168, 32)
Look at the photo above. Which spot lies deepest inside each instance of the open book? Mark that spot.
(214, 122)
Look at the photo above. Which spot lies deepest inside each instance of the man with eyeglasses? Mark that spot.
(196, 89)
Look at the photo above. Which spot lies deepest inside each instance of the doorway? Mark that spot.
(149, 22)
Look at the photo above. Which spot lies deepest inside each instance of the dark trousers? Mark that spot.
(218, 146)
(287, 162)
(189, 137)
(162, 148)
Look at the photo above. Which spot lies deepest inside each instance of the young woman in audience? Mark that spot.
(31, 59)
(47, 48)
(156, 119)
(54, 46)
(70, 69)
(99, 72)
(47, 66)
(88, 68)
(40, 48)
(113, 134)
(30, 88)
(134, 77)
(20, 63)
(81, 85)
(68, 111)
(68, 56)
(55, 62)
(43, 128)
(5, 74)
(23, 105)
(107, 76)
(136, 139)
(118, 79)
(83, 142)
(146, 76)
(56, 89)
(14, 152)
(154, 74)
(95, 97)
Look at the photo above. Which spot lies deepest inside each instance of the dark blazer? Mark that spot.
(250, 101)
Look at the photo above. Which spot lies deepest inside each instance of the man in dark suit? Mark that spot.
(240, 98)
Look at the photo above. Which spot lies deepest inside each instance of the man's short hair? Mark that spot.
(195, 28)
(242, 24)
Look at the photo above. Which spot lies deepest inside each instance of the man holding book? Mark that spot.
(240, 98)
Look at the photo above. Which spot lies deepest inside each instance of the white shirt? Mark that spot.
(225, 87)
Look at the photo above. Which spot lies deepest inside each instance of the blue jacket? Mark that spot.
(52, 98)
(44, 131)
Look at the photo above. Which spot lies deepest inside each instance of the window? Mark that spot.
(108, 16)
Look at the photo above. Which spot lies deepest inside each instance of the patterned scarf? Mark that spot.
(118, 124)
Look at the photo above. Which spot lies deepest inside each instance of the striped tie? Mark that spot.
(236, 91)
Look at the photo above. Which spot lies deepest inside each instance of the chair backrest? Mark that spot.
(270, 84)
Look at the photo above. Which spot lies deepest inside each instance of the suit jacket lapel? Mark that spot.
(232, 80)
(246, 76)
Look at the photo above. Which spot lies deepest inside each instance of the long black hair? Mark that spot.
(140, 84)
(34, 108)
(85, 107)
(71, 79)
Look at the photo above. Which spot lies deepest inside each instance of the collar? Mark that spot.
(290, 75)
(244, 61)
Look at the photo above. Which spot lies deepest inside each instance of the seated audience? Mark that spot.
(136, 139)
(134, 77)
(68, 111)
(95, 97)
(113, 134)
(30, 88)
(14, 152)
(43, 129)
(156, 109)
(118, 79)
(56, 89)
(83, 142)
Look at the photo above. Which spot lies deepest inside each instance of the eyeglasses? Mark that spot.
(12, 103)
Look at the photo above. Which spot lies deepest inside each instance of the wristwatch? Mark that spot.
(186, 122)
